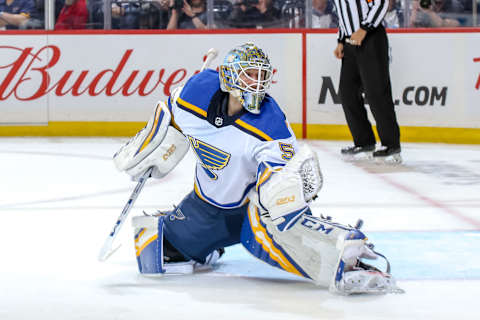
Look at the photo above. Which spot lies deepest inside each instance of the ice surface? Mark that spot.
(59, 199)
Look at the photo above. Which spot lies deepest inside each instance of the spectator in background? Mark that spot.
(435, 13)
(15, 13)
(126, 14)
(162, 6)
(135, 14)
(253, 14)
(95, 10)
(468, 13)
(190, 14)
(393, 17)
(323, 15)
(37, 18)
(74, 15)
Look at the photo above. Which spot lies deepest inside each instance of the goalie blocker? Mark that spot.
(158, 145)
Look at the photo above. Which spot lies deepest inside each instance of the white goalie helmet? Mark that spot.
(246, 73)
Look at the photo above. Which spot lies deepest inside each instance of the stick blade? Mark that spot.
(107, 250)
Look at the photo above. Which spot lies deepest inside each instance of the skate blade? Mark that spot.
(361, 156)
(367, 282)
(394, 159)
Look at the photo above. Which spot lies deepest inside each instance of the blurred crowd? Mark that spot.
(225, 14)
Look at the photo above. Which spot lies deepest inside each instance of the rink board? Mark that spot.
(106, 84)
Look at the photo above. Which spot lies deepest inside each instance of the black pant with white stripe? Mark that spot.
(365, 69)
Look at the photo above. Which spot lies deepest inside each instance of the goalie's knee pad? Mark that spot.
(148, 231)
(156, 256)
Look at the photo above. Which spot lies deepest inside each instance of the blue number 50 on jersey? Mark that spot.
(210, 157)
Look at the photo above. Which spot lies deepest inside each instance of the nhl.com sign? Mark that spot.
(421, 95)
(31, 73)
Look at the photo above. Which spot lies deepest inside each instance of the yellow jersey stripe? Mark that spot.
(251, 128)
(199, 194)
(174, 124)
(192, 107)
(265, 175)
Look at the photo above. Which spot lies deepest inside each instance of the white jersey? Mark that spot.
(231, 152)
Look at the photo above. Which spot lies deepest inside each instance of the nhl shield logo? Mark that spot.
(218, 121)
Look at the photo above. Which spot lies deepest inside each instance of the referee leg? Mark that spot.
(374, 71)
(350, 88)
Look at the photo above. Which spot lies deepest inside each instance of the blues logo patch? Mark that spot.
(210, 157)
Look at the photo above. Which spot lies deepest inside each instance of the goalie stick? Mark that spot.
(108, 249)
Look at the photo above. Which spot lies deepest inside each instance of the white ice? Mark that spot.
(59, 198)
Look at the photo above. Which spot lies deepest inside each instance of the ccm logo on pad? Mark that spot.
(285, 200)
(169, 152)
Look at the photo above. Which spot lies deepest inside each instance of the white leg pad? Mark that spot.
(312, 247)
(315, 248)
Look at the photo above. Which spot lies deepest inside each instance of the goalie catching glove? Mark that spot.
(158, 145)
(286, 192)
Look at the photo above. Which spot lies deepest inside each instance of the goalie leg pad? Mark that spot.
(312, 247)
(257, 238)
(318, 249)
(152, 250)
(149, 248)
(148, 239)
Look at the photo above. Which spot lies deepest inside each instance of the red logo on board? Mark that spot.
(477, 85)
(28, 68)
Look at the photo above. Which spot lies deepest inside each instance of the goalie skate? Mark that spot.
(367, 281)
(190, 266)
(361, 277)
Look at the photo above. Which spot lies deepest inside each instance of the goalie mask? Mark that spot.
(246, 73)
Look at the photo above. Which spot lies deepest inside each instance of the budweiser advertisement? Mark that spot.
(119, 78)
